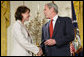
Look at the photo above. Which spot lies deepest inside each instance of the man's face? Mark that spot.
(47, 11)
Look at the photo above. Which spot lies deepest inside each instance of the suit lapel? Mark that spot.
(54, 31)
(47, 30)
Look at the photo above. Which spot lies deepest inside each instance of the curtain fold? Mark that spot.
(78, 6)
(5, 8)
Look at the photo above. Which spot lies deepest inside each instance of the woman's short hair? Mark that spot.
(19, 11)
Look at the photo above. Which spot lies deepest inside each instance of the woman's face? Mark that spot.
(26, 15)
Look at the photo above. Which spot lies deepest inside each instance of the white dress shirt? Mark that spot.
(54, 21)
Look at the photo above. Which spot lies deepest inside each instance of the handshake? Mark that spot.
(40, 53)
(48, 42)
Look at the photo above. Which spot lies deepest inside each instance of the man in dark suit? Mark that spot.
(57, 33)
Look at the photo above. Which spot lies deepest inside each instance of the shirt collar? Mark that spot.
(19, 21)
(55, 18)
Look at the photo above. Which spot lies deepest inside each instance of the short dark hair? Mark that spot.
(19, 11)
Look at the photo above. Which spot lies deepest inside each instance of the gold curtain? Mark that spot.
(78, 6)
(5, 7)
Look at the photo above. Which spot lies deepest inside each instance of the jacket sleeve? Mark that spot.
(69, 34)
(21, 39)
(42, 46)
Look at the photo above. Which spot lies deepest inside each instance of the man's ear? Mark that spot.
(52, 9)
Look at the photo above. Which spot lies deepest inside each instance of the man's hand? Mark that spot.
(50, 42)
(40, 52)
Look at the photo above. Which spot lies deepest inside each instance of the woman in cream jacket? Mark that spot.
(22, 40)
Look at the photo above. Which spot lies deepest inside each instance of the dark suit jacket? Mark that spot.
(63, 34)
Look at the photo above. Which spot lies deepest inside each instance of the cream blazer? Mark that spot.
(22, 45)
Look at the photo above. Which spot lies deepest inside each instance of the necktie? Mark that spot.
(51, 28)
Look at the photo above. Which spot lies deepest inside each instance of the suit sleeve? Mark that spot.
(21, 39)
(69, 34)
(42, 42)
